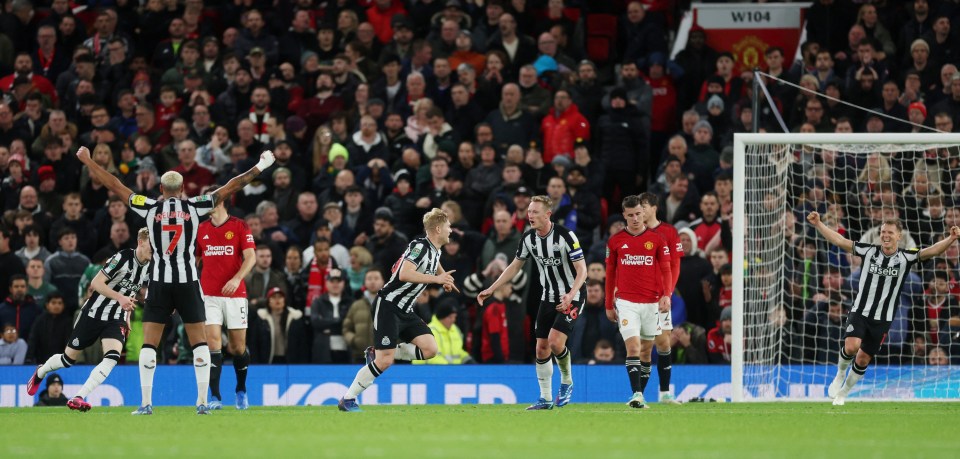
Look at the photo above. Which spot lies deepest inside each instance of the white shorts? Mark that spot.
(638, 319)
(666, 321)
(222, 310)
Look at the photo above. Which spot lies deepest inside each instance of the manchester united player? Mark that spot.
(648, 201)
(638, 289)
(228, 253)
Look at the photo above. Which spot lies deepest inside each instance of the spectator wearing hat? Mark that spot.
(465, 53)
(13, 349)
(917, 114)
(586, 203)
(263, 278)
(562, 126)
(278, 333)
(450, 349)
(719, 337)
(623, 147)
(703, 157)
(327, 313)
(487, 25)
(358, 323)
(403, 33)
(254, 35)
(698, 60)
(385, 244)
(53, 394)
(402, 203)
(234, 103)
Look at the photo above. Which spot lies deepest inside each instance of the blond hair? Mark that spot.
(434, 219)
(171, 181)
(543, 199)
(143, 234)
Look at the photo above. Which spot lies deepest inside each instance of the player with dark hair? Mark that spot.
(228, 254)
(648, 202)
(103, 316)
(883, 273)
(174, 280)
(563, 272)
(639, 285)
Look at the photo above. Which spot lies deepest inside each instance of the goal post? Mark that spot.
(784, 332)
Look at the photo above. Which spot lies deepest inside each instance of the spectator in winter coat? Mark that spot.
(719, 339)
(13, 349)
(450, 349)
(50, 331)
(511, 125)
(562, 127)
(278, 333)
(65, 267)
(623, 145)
(327, 313)
(358, 323)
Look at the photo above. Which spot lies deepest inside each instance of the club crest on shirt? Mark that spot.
(385, 341)
(648, 245)
(228, 235)
(624, 322)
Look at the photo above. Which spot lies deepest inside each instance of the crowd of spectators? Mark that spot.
(379, 110)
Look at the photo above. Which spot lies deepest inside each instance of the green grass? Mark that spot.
(857, 430)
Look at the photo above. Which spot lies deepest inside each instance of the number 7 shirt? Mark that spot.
(173, 225)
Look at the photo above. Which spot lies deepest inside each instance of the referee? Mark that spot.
(883, 271)
(174, 280)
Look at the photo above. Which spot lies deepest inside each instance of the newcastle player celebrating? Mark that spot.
(227, 253)
(884, 270)
(174, 280)
(639, 285)
(104, 317)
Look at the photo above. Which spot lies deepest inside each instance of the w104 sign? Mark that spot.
(748, 29)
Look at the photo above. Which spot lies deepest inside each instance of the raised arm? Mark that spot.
(829, 234)
(937, 249)
(101, 175)
(237, 183)
(505, 276)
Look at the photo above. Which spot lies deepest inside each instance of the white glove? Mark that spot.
(266, 160)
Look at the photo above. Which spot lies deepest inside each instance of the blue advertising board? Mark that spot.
(285, 385)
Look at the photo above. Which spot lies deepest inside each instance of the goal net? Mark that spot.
(793, 290)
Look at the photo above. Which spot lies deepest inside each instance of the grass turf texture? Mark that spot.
(862, 430)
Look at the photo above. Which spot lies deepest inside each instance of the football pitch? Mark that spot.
(861, 430)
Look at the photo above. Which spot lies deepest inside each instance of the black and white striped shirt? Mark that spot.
(173, 227)
(126, 276)
(422, 253)
(555, 254)
(881, 280)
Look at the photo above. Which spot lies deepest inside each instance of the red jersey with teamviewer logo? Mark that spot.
(221, 248)
(638, 267)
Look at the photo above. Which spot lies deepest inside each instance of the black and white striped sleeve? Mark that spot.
(203, 204)
(861, 249)
(115, 265)
(141, 204)
(523, 252)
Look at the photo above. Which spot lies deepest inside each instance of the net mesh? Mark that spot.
(798, 288)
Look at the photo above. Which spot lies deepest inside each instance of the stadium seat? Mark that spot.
(601, 37)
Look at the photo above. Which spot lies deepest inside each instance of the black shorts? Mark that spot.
(163, 299)
(391, 326)
(871, 332)
(88, 330)
(549, 318)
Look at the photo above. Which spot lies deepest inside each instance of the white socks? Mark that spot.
(408, 352)
(54, 363)
(100, 373)
(363, 380)
(148, 365)
(201, 366)
(545, 378)
(563, 362)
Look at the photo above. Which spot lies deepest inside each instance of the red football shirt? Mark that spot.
(638, 267)
(672, 238)
(222, 250)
